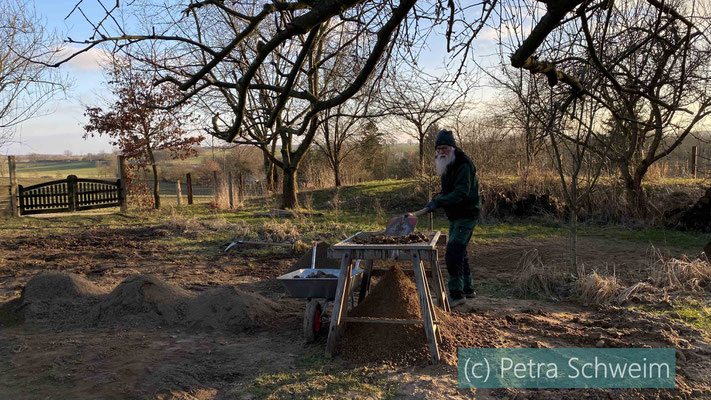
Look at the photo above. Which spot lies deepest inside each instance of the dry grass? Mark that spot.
(682, 274)
(594, 288)
(194, 227)
(665, 276)
(270, 231)
(535, 278)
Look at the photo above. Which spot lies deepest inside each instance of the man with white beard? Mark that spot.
(460, 200)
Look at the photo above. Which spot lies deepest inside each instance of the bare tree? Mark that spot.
(342, 130)
(645, 66)
(223, 46)
(26, 81)
(418, 104)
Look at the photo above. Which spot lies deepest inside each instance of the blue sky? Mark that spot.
(59, 127)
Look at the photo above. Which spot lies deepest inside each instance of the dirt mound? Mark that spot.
(59, 285)
(322, 260)
(144, 300)
(395, 296)
(148, 301)
(61, 300)
(230, 308)
(59, 296)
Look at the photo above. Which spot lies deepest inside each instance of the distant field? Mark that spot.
(61, 169)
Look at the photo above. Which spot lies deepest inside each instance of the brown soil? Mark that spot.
(395, 296)
(414, 237)
(124, 312)
(68, 301)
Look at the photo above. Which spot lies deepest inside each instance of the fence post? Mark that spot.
(72, 190)
(122, 183)
(179, 192)
(694, 157)
(230, 189)
(14, 209)
(190, 189)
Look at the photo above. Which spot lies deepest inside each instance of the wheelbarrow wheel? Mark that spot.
(312, 321)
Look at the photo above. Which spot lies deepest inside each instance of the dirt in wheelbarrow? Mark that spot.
(395, 296)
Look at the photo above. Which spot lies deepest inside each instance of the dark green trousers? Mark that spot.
(460, 277)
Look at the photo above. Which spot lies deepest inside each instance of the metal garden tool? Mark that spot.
(405, 224)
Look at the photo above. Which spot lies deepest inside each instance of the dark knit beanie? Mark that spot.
(445, 137)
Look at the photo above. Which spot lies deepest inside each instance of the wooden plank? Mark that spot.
(425, 255)
(421, 282)
(333, 329)
(394, 321)
(440, 290)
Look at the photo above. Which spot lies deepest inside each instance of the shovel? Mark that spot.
(404, 224)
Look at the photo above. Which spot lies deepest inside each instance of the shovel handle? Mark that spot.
(422, 212)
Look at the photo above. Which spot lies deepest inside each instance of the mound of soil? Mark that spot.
(144, 300)
(67, 300)
(230, 309)
(56, 295)
(59, 285)
(395, 296)
(148, 301)
(322, 260)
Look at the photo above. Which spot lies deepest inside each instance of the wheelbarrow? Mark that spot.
(315, 284)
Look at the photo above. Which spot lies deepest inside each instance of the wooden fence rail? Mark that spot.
(71, 194)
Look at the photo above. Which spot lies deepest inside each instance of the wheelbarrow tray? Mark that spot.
(314, 287)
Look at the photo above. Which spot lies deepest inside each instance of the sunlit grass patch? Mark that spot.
(317, 383)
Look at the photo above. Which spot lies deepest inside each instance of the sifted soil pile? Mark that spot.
(395, 296)
(64, 300)
(144, 300)
(51, 295)
(57, 285)
(147, 301)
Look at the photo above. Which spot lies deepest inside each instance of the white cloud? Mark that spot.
(90, 60)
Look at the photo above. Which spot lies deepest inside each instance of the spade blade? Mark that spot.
(401, 226)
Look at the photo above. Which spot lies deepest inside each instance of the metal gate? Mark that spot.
(71, 194)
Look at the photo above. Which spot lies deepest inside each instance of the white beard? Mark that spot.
(442, 162)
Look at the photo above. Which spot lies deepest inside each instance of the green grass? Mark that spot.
(315, 377)
(696, 313)
(58, 169)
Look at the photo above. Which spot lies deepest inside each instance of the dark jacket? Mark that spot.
(460, 189)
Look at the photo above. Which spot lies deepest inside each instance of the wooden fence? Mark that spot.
(71, 194)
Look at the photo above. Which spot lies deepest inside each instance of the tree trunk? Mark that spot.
(574, 201)
(337, 173)
(156, 197)
(289, 189)
(633, 190)
(422, 156)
